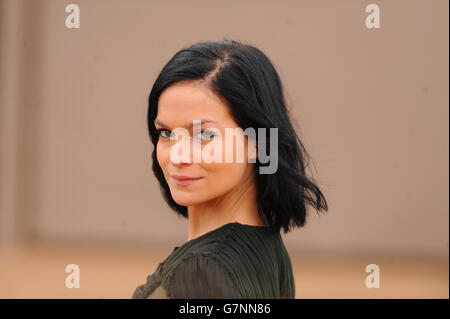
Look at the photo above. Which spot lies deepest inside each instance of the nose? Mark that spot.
(181, 152)
(180, 159)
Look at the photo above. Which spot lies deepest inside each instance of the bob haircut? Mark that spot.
(245, 79)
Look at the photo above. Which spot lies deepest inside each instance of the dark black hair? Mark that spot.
(246, 80)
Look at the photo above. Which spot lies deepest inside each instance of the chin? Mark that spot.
(186, 199)
(191, 198)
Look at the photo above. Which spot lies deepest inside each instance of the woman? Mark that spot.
(235, 211)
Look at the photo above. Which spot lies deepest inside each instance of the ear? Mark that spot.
(253, 149)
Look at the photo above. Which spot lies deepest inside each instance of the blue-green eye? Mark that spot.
(205, 135)
(163, 133)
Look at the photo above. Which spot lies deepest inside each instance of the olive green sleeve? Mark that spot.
(201, 277)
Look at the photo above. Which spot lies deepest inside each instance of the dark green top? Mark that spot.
(232, 261)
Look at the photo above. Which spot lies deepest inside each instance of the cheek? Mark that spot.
(163, 155)
(223, 177)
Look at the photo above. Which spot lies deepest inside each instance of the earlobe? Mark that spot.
(253, 153)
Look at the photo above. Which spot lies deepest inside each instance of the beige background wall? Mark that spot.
(370, 104)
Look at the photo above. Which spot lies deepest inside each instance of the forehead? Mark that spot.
(183, 102)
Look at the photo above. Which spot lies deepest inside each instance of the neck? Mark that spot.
(239, 205)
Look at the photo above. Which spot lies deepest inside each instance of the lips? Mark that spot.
(184, 180)
(183, 177)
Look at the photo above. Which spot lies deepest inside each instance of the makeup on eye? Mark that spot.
(209, 134)
(205, 134)
(159, 132)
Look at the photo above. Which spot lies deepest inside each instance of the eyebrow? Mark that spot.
(190, 124)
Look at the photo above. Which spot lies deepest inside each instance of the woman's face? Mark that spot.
(179, 105)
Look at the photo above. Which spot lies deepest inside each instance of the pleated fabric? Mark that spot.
(234, 261)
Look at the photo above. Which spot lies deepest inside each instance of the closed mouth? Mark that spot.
(185, 182)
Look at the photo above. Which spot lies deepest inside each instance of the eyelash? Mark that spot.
(159, 131)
